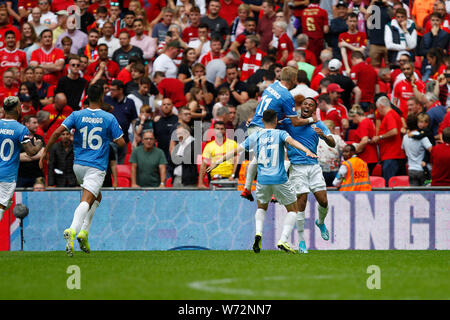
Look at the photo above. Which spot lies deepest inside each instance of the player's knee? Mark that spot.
(99, 198)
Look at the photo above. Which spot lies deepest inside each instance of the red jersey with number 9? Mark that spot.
(314, 18)
(43, 57)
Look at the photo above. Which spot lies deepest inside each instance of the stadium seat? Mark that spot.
(377, 182)
(129, 147)
(124, 170)
(399, 181)
(377, 170)
(169, 182)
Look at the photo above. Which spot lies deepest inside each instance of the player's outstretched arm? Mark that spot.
(51, 142)
(329, 140)
(297, 121)
(299, 146)
(228, 156)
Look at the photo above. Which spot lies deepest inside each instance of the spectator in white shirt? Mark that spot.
(165, 63)
(112, 42)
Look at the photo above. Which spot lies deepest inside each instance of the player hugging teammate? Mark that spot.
(301, 134)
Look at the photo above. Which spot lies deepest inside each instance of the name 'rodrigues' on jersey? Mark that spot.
(278, 98)
(12, 134)
(268, 146)
(94, 130)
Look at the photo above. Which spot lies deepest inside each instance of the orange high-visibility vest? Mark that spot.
(243, 175)
(357, 178)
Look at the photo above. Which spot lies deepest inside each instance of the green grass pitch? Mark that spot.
(226, 275)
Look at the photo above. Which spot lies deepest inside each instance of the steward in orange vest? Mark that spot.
(353, 174)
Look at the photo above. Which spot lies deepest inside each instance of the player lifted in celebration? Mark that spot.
(306, 173)
(278, 98)
(12, 135)
(268, 145)
(94, 130)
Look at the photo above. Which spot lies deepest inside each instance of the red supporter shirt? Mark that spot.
(58, 5)
(30, 112)
(313, 19)
(366, 78)
(403, 91)
(154, 8)
(16, 58)
(342, 110)
(53, 113)
(111, 72)
(250, 63)
(174, 89)
(27, 4)
(445, 122)
(284, 43)
(315, 82)
(5, 92)
(208, 57)
(440, 158)
(366, 128)
(229, 11)
(41, 57)
(190, 34)
(93, 7)
(333, 115)
(3, 31)
(391, 148)
(385, 88)
(358, 40)
(124, 76)
(130, 32)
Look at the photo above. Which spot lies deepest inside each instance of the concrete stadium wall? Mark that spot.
(221, 220)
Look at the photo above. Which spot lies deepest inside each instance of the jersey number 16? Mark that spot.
(89, 138)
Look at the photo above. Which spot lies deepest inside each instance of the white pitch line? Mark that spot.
(216, 286)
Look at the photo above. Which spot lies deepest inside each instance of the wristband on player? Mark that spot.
(381, 137)
(310, 120)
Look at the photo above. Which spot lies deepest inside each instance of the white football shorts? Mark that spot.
(89, 178)
(284, 193)
(306, 178)
(6, 193)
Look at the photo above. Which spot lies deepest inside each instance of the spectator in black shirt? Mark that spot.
(164, 126)
(29, 166)
(218, 26)
(126, 50)
(41, 86)
(344, 82)
(60, 164)
(86, 18)
(238, 89)
(72, 85)
(337, 26)
(257, 77)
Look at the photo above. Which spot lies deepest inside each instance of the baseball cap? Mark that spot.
(334, 65)
(62, 13)
(334, 87)
(341, 3)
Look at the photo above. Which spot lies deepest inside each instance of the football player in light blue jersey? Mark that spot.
(306, 173)
(94, 130)
(278, 98)
(268, 145)
(12, 135)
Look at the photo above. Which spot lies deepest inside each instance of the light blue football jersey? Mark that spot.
(268, 145)
(12, 135)
(94, 130)
(306, 136)
(278, 98)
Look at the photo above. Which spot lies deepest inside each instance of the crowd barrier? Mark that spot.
(221, 220)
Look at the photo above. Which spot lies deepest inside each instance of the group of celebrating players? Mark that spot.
(277, 124)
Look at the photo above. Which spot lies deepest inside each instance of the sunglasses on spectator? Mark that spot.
(75, 65)
(43, 2)
(114, 4)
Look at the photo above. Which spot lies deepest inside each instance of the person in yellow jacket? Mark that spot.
(353, 175)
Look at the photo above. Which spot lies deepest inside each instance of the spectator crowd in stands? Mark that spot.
(180, 76)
